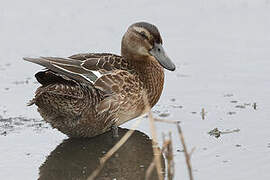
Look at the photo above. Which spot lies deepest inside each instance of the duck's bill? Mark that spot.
(160, 55)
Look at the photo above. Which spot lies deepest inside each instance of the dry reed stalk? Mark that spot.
(168, 151)
(166, 121)
(150, 169)
(156, 151)
(187, 155)
(203, 113)
(152, 165)
(109, 154)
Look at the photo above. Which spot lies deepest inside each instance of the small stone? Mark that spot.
(215, 132)
(231, 113)
(4, 133)
(164, 115)
(254, 106)
(240, 106)
(177, 106)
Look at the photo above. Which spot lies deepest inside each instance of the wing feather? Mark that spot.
(58, 69)
(82, 67)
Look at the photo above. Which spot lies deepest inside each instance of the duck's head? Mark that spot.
(143, 40)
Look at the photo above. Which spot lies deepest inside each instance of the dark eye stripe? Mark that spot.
(144, 35)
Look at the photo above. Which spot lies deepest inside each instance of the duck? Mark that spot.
(88, 94)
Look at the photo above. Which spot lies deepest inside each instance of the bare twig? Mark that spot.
(203, 113)
(187, 155)
(109, 154)
(156, 151)
(254, 106)
(168, 151)
(166, 121)
(150, 169)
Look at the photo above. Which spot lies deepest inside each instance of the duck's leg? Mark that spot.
(115, 131)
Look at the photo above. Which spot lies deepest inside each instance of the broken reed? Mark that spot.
(181, 136)
(167, 149)
(156, 151)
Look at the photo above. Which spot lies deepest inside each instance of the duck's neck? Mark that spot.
(151, 76)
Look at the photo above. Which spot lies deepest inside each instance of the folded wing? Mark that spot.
(82, 67)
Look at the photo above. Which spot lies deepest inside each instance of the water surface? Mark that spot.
(221, 49)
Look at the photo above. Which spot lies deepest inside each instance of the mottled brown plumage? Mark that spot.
(80, 104)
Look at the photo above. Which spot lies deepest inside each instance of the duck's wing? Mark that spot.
(102, 62)
(81, 67)
(64, 66)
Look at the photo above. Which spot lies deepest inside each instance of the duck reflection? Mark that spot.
(78, 158)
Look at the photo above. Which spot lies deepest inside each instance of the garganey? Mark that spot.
(73, 99)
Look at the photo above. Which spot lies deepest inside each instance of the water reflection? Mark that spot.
(77, 158)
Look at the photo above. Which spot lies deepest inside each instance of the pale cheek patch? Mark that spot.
(143, 51)
(140, 50)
